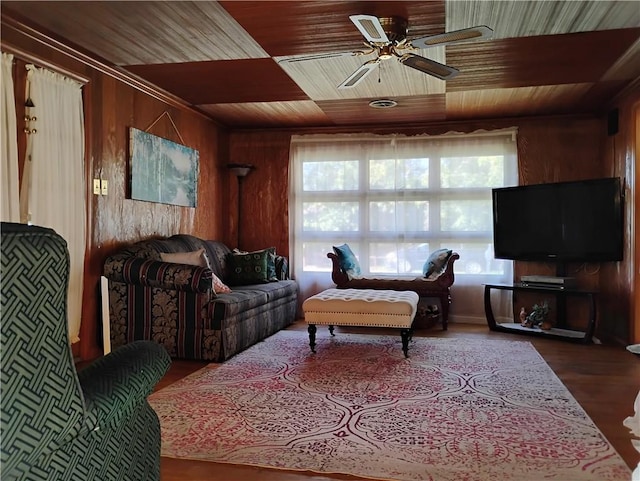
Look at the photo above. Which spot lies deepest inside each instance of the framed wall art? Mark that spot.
(162, 171)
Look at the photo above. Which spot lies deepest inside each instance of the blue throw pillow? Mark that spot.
(348, 261)
(436, 262)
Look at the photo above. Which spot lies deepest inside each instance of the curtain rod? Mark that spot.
(38, 62)
(386, 137)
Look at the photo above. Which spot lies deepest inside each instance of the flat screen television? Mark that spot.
(580, 221)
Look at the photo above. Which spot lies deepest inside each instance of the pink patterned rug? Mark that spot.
(455, 410)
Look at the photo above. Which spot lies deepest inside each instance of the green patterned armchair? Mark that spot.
(57, 424)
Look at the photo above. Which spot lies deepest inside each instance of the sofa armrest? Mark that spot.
(147, 272)
(115, 385)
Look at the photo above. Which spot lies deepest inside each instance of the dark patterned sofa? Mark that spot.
(175, 305)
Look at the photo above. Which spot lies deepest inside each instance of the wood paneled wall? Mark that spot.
(620, 282)
(111, 108)
(265, 191)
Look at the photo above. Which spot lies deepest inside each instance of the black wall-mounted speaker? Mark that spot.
(612, 122)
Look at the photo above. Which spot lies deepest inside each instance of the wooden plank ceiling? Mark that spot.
(546, 57)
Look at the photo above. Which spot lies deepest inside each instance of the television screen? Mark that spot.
(566, 221)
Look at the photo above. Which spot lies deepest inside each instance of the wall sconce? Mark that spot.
(240, 171)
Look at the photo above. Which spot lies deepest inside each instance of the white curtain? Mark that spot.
(394, 199)
(10, 189)
(53, 185)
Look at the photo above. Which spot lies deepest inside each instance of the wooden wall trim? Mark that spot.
(40, 62)
(98, 65)
(422, 127)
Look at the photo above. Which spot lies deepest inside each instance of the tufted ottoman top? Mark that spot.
(361, 307)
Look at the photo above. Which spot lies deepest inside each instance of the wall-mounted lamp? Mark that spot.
(240, 171)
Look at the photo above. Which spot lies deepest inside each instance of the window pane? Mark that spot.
(458, 172)
(466, 215)
(330, 216)
(378, 253)
(314, 256)
(398, 258)
(391, 216)
(477, 258)
(416, 173)
(392, 174)
(331, 175)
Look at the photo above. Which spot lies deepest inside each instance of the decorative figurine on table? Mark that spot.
(538, 316)
(523, 317)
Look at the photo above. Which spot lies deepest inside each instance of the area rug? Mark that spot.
(455, 410)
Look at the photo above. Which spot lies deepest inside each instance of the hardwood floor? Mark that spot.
(604, 380)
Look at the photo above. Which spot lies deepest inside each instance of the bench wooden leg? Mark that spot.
(312, 337)
(406, 335)
(445, 300)
(331, 330)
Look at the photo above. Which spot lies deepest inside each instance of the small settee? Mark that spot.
(188, 308)
(436, 285)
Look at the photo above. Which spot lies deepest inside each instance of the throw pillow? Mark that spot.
(436, 262)
(218, 286)
(348, 261)
(272, 275)
(271, 264)
(193, 258)
(249, 268)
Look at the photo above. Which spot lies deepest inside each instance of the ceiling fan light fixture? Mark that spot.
(383, 104)
(386, 52)
(387, 37)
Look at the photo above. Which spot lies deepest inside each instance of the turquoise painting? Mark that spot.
(162, 171)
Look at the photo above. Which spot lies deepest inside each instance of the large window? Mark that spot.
(395, 199)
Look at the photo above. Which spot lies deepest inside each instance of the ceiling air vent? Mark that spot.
(383, 103)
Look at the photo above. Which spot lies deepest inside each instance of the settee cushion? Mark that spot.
(245, 298)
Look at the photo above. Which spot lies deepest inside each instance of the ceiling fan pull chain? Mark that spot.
(380, 72)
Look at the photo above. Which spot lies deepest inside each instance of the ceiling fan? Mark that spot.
(387, 37)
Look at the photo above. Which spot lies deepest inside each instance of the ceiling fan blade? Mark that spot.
(356, 77)
(464, 35)
(428, 66)
(370, 28)
(319, 56)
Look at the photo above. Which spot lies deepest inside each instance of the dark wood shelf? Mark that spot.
(556, 332)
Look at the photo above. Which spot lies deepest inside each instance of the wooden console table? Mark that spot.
(558, 332)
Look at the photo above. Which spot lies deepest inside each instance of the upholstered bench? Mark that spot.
(362, 307)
